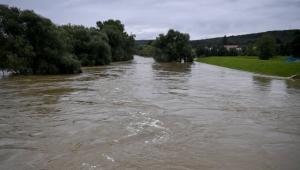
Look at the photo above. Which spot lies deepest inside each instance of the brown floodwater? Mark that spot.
(146, 115)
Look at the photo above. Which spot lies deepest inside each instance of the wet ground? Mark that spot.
(145, 115)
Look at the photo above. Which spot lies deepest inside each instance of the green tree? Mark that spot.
(89, 45)
(122, 44)
(31, 44)
(266, 47)
(174, 46)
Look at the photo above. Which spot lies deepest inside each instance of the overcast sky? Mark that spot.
(147, 18)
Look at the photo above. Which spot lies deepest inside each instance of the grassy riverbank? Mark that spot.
(275, 66)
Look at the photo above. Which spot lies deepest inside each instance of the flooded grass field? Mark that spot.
(146, 115)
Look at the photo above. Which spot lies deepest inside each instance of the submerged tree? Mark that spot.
(266, 47)
(174, 46)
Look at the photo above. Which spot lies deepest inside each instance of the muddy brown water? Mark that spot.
(145, 115)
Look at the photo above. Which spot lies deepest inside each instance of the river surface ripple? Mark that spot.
(145, 115)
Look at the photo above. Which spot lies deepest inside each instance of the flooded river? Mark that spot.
(144, 115)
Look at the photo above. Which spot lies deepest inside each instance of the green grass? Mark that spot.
(275, 66)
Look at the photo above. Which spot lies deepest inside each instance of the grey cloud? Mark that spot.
(148, 18)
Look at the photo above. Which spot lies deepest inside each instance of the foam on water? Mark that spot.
(87, 166)
(192, 116)
(142, 123)
(108, 158)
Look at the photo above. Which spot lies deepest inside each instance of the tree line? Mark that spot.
(32, 44)
(264, 46)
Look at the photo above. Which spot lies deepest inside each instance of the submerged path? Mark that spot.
(145, 115)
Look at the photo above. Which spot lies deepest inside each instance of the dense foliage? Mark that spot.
(32, 44)
(88, 44)
(122, 44)
(174, 46)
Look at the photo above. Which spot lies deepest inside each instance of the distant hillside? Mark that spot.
(284, 36)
